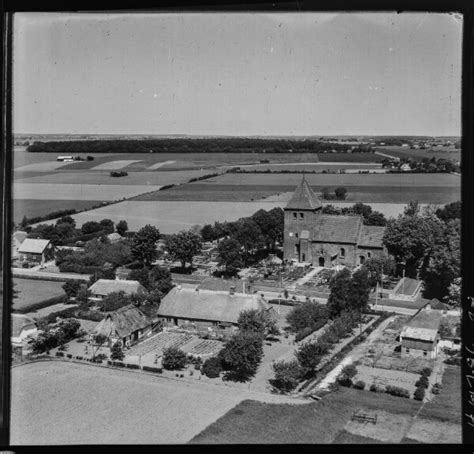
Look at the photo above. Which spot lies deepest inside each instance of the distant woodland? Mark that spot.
(190, 145)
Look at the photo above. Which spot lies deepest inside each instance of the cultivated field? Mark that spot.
(104, 178)
(69, 403)
(31, 208)
(33, 291)
(106, 192)
(322, 180)
(171, 217)
(437, 152)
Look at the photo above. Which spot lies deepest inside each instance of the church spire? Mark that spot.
(304, 198)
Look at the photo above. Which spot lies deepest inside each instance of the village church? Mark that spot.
(326, 240)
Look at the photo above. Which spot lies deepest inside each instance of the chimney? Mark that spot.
(428, 307)
(232, 290)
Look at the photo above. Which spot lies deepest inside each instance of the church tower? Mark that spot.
(300, 215)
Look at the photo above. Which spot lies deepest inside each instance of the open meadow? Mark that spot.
(56, 402)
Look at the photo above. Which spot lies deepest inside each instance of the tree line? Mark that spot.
(191, 145)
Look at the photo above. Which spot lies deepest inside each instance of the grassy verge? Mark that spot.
(446, 406)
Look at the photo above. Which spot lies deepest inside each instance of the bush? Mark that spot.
(157, 370)
(79, 357)
(287, 375)
(212, 368)
(344, 380)
(69, 356)
(116, 352)
(118, 364)
(359, 384)
(350, 370)
(426, 371)
(61, 354)
(373, 388)
(397, 391)
(132, 366)
(173, 358)
(422, 382)
(419, 393)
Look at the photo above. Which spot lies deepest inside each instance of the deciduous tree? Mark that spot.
(143, 245)
(183, 246)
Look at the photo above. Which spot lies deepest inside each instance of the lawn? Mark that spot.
(317, 422)
(33, 291)
(31, 208)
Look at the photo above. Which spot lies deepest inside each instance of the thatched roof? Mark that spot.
(123, 322)
(209, 305)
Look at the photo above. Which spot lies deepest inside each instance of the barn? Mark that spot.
(420, 336)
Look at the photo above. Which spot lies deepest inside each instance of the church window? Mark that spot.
(343, 252)
(296, 235)
(301, 215)
(369, 255)
(295, 215)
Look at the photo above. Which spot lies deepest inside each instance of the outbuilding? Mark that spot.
(36, 250)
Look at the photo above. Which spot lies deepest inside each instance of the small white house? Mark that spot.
(36, 250)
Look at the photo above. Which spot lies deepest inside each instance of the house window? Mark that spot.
(295, 215)
(425, 353)
(301, 215)
(296, 249)
(343, 252)
(296, 235)
(304, 257)
(369, 255)
(407, 350)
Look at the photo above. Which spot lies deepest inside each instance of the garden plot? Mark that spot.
(390, 428)
(202, 347)
(115, 165)
(158, 343)
(386, 377)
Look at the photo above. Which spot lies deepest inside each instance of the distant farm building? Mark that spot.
(323, 239)
(23, 329)
(208, 310)
(127, 325)
(35, 250)
(17, 239)
(104, 287)
(420, 336)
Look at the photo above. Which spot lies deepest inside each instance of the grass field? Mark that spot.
(446, 406)
(69, 403)
(31, 208)
(317, 422)
(32, 291)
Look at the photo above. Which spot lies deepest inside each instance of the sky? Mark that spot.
(237, 73)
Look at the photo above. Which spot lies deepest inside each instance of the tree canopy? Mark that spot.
(183, 246)
(143, 245)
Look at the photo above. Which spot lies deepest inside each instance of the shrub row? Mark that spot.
(61, 299)
(397, 391)
(157, 370)
(422, 384)
(204, 177)
(69, 267)
(119, 173)
(47, 217)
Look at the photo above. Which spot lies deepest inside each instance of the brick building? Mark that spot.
(323, 239)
